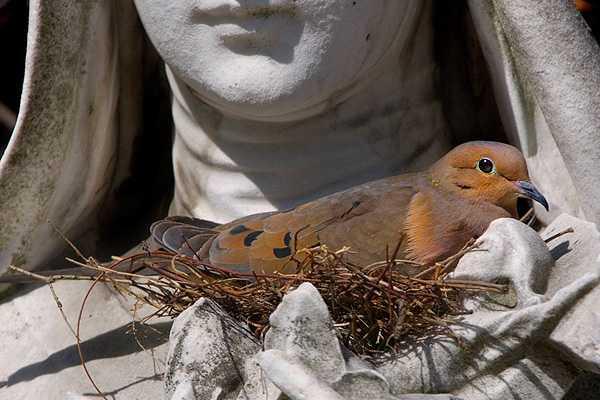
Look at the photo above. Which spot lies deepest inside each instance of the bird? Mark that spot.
(427, 216)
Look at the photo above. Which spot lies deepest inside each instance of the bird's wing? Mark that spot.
(368, 218)
(374, 234)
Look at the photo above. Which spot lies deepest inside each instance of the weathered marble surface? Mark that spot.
(212, 357)
(40, 359)
(546, 40)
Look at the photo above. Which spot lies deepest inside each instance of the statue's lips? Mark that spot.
(241, 27)
(269, 31)
(231, 33)
(228, 10)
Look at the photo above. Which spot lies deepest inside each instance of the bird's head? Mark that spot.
(487, 171)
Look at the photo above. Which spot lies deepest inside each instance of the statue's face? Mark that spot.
(271, 58)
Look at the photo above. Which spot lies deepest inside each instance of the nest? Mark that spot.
(375, 308)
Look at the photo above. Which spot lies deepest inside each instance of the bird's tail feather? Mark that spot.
(183, 235)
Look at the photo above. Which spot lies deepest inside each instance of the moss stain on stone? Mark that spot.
(270, 11)
(18, 260)
(46, 144)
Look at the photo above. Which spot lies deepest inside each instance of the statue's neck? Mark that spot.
(226, 168)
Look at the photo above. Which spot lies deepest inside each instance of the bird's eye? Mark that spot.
(486, 166)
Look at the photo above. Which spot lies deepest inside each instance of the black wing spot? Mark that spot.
(252, 236)
(236, 230)
(287, 239)
(282, 252)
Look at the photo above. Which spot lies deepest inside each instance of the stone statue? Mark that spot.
(261, 117)
(274, 103)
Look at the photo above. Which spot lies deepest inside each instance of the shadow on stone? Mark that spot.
(561, 249)
(112, 394)
(116, 343)
(587, 387)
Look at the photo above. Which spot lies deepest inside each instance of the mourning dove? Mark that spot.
(430, 215)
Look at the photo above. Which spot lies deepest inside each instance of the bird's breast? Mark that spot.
(439, 225)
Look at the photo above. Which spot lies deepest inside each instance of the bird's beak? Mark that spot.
(527, 190)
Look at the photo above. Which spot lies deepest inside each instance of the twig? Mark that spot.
(64, 237)
(78, 337)
(559, 234)
(49, 281)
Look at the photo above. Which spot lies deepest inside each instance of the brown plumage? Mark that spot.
(432, 214)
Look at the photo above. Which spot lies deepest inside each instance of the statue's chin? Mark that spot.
(269, 110)
(277, 82)
(280, 93)
(277, 61)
